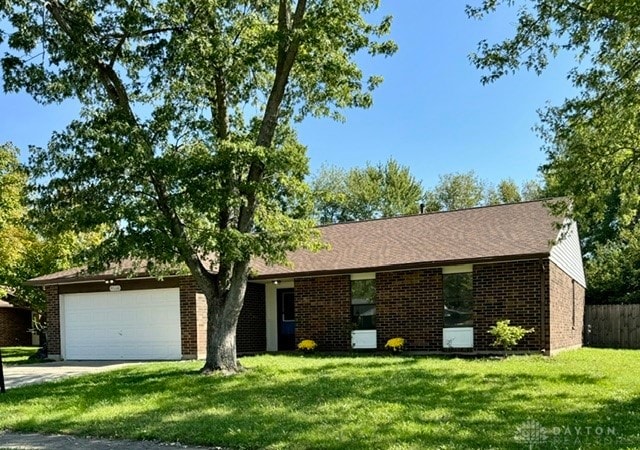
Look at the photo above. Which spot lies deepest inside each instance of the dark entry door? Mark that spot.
(286, 320)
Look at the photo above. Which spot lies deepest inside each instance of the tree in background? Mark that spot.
(25, 253)
(507, 191)
(329, 190)
(467, 190)
(14, 236)
(47, 254)
(456, 191)
(388, 190)
(533, 190)
(184, 147)
(383, 190)
(614, 270)
(592, 139)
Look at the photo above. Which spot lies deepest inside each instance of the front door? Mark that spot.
(286, 320)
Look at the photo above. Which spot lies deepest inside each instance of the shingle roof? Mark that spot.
(4, 304)
(487, 233)
(7, 301)
(470, 235)
(126, 268)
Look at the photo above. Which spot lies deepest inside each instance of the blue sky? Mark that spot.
(431, 113)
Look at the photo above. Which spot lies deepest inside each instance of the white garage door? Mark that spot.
(142, 324)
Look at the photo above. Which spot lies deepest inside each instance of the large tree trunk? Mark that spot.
(224, 302)
(223, 310)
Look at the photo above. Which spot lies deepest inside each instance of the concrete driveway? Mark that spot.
(21, 375)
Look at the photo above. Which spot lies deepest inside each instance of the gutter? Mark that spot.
(292, 273)
(398, 267)
(93, 279)
(543, 307)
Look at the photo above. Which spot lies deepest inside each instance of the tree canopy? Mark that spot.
(184, 147)
(466, 190)
(507, 191)
(456, 191)
(14, 236)
(383, 190)
(593, 138)
(24, 252)
(387, 190)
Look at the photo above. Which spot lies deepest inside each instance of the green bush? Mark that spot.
(507, 336)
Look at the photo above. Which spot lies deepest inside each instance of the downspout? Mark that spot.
(543, 309)
(2, 389)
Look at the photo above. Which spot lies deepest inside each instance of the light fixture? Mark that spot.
(276, 281)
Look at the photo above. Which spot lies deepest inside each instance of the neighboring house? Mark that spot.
(439, 280)
(15, 323)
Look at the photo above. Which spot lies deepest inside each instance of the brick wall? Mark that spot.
(14, 323)
(566, 311)
(510, 290)
(53, 321)
(251, 334)
(188, 318)
(409, 305)
(323, 311)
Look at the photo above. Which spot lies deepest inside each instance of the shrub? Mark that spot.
(395, 345)
(307, 345)
(507, 336)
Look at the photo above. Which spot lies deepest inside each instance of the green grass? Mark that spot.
(20, 355)
(361, 402)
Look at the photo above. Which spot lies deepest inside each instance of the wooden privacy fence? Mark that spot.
(613, 326)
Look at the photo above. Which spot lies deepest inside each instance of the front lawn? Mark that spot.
(588, 398)
(20, 355)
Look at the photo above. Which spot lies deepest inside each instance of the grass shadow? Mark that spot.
(335, 403)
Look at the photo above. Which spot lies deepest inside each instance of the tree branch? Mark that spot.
(591, 12)
(179, 28)
(221, 114)
(108, 77)
(117, 93)
(287, 52)
(116, 51)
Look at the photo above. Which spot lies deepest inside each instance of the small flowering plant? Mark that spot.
(507, 335)
(395, 345)
(307, 345)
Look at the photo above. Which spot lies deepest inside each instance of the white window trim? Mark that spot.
(363, 276)
(464, 268)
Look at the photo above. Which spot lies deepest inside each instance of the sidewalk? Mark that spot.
(33, 441)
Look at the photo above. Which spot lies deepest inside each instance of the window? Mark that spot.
(288, 306)
(458, 299)
(363, 307)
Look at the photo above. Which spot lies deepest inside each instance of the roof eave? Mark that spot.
(305, 274)
(398, 267)
(88, 279)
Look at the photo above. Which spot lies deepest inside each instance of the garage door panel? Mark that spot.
(141, 324)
